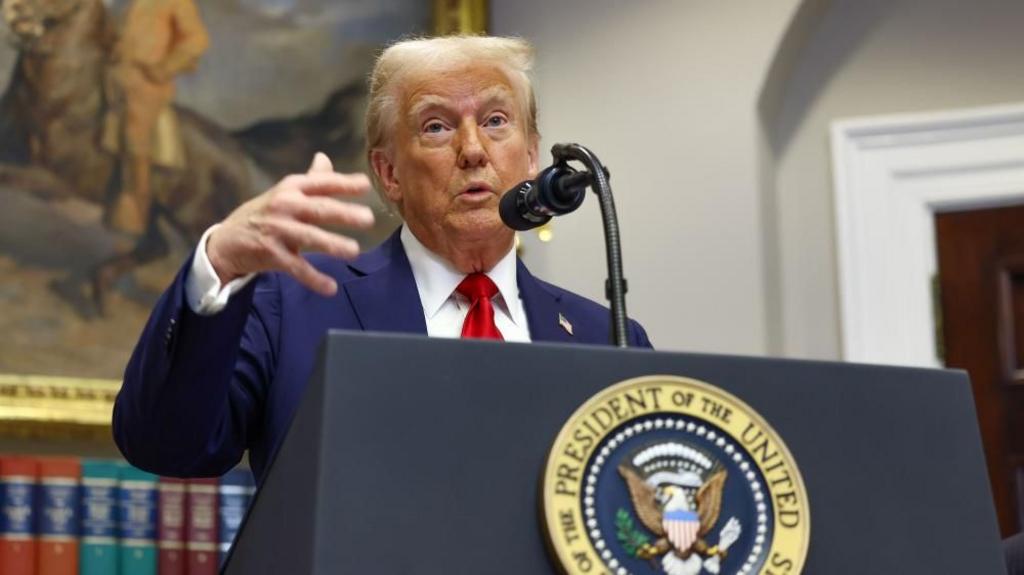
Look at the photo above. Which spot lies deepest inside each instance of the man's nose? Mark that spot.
(472, 153)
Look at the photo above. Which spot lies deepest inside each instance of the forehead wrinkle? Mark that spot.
(497, 94)
(426, 102)
(419, 103)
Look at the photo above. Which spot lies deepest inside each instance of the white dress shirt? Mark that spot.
(444, 309)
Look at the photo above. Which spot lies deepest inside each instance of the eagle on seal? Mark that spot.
(681, 510)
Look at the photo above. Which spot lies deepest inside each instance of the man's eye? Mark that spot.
(433, 127)
(495, 121)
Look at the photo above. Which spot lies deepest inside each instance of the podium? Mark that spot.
(411, 455)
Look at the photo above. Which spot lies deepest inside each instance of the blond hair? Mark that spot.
(513, 55)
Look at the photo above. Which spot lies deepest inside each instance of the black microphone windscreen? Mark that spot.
(514, 212)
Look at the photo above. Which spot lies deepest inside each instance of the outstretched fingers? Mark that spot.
(321, 163)
(323, 183)
(292, 263)
(299, 236)
(323, 211)
(271, 231)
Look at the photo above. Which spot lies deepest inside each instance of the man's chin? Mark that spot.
(481, 225)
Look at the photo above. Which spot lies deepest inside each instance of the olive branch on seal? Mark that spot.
(631, 538)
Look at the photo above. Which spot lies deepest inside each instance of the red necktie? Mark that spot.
(479, 289)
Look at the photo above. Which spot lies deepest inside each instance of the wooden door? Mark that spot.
(981, 281)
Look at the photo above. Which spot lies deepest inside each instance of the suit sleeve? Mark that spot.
(638, 336)
(194, 389)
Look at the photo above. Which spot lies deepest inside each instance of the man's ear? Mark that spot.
(385, 170)
(533, 152)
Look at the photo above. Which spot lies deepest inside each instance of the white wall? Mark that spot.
(665, 93)
(871, 58)
(677, 124)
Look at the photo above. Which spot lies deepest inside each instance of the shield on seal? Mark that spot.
(681, 528)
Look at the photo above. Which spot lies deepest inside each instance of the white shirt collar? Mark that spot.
(436, 279)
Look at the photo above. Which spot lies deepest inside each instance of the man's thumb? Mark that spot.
(321, 163)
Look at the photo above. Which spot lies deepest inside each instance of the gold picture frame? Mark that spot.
(35, 406)
(460, 17)
(48, 407)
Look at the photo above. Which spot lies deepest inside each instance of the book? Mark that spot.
(18, 476)
(236, 490)
(58, 523)
(201, 526)
(137, 521)
(171, 531)
(97, 551)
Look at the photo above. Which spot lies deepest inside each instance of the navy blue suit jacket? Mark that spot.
(198, 391)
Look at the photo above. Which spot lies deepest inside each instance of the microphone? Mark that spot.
(557, 190)
(560, 189)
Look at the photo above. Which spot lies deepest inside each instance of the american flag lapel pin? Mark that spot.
(565, 324)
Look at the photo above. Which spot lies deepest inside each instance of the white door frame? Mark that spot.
(892, 174)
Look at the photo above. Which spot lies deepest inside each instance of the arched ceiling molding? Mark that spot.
(805, 20)
(818, 40)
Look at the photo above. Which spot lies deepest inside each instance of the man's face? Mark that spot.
(459, 143)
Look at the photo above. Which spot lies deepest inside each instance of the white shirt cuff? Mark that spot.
(203, 290)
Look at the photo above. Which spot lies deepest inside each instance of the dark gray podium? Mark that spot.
(411, 455)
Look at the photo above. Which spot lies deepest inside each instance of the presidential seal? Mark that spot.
(664, 474)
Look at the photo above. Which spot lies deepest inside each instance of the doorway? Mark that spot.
(903, 185)
(981, 286)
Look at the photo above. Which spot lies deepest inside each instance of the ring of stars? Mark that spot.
(722, 442)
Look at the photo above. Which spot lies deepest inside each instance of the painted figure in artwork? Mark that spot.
(159, 40)
(85, 103)
(96, 123)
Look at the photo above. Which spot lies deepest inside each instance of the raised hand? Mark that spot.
(270, 231)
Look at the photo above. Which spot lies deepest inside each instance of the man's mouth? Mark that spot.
(477, 188)
(477, 192)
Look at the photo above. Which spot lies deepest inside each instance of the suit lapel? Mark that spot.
(543, 308)
(385, 296)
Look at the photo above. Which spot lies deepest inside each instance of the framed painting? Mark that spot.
(126, 130)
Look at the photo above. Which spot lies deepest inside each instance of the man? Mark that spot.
(159, 40)
(220, 368)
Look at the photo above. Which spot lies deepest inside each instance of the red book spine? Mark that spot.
(201, 526)
(58, 515)
(18, 477)
(171, 526)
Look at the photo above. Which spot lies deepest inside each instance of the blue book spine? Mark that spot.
(137, 525)
(58, 527)
(99, 501)
(18, 509)
(236, 491)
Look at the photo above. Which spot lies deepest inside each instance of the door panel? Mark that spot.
(981, 281)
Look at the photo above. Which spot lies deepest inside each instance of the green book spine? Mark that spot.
(137, 526)
(99, 513)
